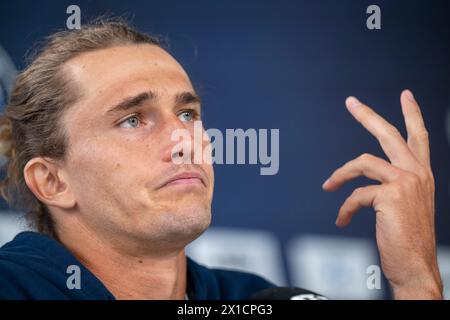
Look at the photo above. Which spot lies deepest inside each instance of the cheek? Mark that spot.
(108, 184)
(116, 168)
(207, 162)
(92, 157)
(208, 168)
(96, 165)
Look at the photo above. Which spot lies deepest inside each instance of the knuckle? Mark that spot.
(424, 175)
(422, 135)
(412, 179)
(409, 183)
(395, 192)
(427, 178)
(389, 132)
(431, 177)
(365, 157)
(356, 193)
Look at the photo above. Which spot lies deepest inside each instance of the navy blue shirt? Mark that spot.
(35, 266)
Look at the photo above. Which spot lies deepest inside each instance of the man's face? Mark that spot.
(119, 160)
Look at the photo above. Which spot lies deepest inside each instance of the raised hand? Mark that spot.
(403, 200)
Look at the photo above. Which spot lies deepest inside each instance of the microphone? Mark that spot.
(286, 293)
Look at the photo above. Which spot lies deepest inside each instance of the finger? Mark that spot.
(361, 197)
(417, 133)
(387, 135)
(365, 165)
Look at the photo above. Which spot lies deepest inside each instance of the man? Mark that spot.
(89, 126)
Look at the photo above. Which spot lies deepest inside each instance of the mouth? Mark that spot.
(185, 179)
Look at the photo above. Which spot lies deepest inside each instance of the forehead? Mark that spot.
(108, 75)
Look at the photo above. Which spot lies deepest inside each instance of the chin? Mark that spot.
(178, 227)
(193, 221)
(194, 218)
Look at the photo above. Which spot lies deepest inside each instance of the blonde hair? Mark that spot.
(30, 126)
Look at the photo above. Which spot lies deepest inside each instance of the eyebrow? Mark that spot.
(186, 97)
(132, 102)
(136, 101)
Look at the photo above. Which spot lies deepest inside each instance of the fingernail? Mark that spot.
(409, 95)
(352, 102)
(325, 183)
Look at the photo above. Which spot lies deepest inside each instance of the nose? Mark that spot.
(180, 145)
(181, 153)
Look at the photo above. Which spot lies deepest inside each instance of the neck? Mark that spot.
(132, 275)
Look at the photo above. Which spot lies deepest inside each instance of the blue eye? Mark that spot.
(133, 121)
(187, 115)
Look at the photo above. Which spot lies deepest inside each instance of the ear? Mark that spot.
(48, 183)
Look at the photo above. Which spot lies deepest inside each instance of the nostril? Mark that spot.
(180, 154)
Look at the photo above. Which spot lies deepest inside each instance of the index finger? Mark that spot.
(387, 135)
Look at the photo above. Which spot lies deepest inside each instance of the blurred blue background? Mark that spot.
(287, 65)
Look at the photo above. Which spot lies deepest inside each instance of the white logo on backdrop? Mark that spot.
(333, 266)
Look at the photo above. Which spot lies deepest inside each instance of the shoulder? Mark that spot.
(34, 266)
(19, 269)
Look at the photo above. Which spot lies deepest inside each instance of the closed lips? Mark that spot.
(185, 178)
